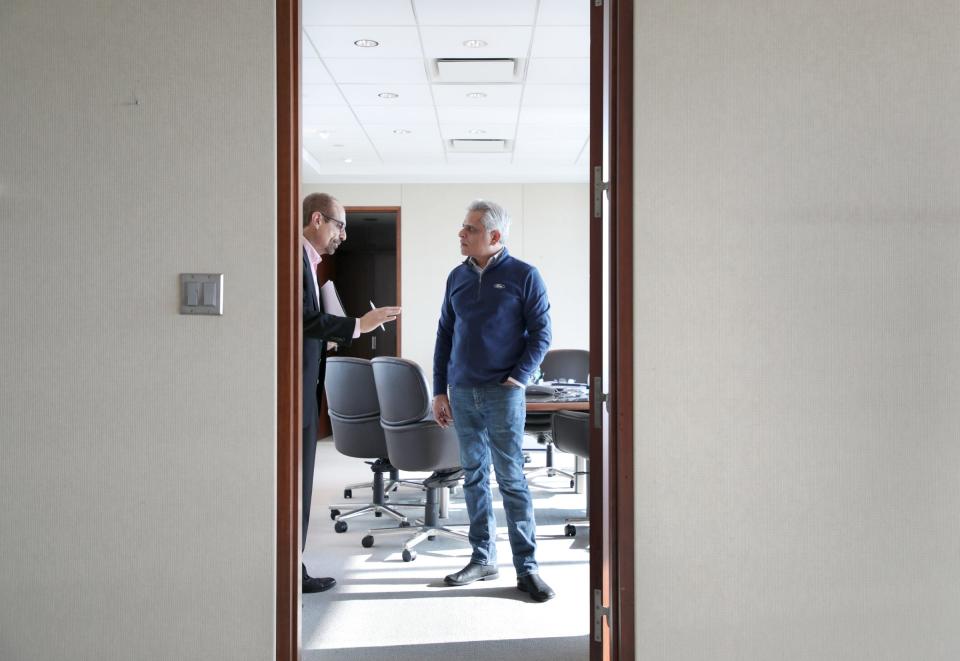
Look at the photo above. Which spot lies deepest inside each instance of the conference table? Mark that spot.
(563, 400)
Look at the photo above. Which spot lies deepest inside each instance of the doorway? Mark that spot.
(611, 536)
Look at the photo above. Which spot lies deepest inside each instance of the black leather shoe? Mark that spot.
(319, 584)
(473, 572)
(533, 584)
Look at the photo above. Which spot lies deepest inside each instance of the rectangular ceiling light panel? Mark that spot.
(476, 71)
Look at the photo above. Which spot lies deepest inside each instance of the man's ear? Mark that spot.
(494, 237)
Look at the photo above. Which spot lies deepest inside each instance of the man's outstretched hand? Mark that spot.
(374, 318)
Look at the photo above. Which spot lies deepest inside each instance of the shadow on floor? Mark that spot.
(573, 648)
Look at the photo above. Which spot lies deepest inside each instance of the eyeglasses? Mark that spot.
(341, 225)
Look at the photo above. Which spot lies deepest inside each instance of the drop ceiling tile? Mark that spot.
(527, 132)
(564, 12)
(485, 160)
(356, 154)
(563, 116)
(314, 73)
(407, 116)
(558, 71)
(368, 70)
(338, 41)
(385, 133)
(307, 51)
(325, 117)
(496, 95)
(452, 130)
(561, 42)
(564, 151)
(494, 114)
(557, 95)
(321, 95)
(348, 138)
(368, 95)
(489, 12)
(351, 12)
(447, 41)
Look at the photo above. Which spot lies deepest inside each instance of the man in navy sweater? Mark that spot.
(493, 334)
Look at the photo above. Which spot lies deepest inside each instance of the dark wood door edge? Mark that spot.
(289, 328)
(621, 277)
(596, 484)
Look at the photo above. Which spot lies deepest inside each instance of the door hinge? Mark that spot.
(599, 612)
(373, 338)
(598, 3)
(599, 186)
(599, 398)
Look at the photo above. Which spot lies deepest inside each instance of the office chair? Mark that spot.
(415, 442)
(571, 433)
(355, 418)
(558, 364)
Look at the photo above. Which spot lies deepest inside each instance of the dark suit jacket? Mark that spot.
(318, 329)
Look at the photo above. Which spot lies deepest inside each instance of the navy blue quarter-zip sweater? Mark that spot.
(493, 325)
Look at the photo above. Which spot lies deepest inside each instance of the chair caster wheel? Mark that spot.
(334, 514)
(378, 514)
(348, 493)
(527, 458)
(340, 526)
(573, 484)
(570, 530)
(408, 556)
(431, 537)
(367, 541)
(404, 524)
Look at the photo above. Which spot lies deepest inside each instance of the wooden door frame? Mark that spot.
(616, 487)
(289, 331)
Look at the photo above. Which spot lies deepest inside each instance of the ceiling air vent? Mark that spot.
(496, 70)
(481, 146)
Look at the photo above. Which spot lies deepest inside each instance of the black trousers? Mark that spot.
(309, 458)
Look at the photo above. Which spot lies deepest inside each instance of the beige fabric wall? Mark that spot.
(550, 229)
(137, 446)
(798, 330)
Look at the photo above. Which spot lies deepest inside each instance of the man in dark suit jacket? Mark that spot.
(324, 229)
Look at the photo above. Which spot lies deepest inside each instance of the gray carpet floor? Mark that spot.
(383, 607)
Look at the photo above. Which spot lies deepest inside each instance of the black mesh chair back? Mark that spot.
(566, 364)
(401, 390)
(354, 408)
(571, 432)
(415, 441)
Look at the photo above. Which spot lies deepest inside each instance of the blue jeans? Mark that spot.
(489, 422)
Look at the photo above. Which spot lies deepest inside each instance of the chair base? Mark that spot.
(421, 534)
(437, 494)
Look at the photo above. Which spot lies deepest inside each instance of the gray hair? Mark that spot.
(494, 217)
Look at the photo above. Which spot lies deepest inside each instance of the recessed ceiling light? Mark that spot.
(474, 43)
(476, 131)
(348, 160)
(388, 95)
(338, 144)
(401, 131)
(366, 43)
(476, 95)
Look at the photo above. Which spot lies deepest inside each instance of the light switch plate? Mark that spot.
(201, 293)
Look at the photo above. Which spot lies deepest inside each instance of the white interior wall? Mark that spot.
(549, 229)
(797, 330)
(137, 446)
